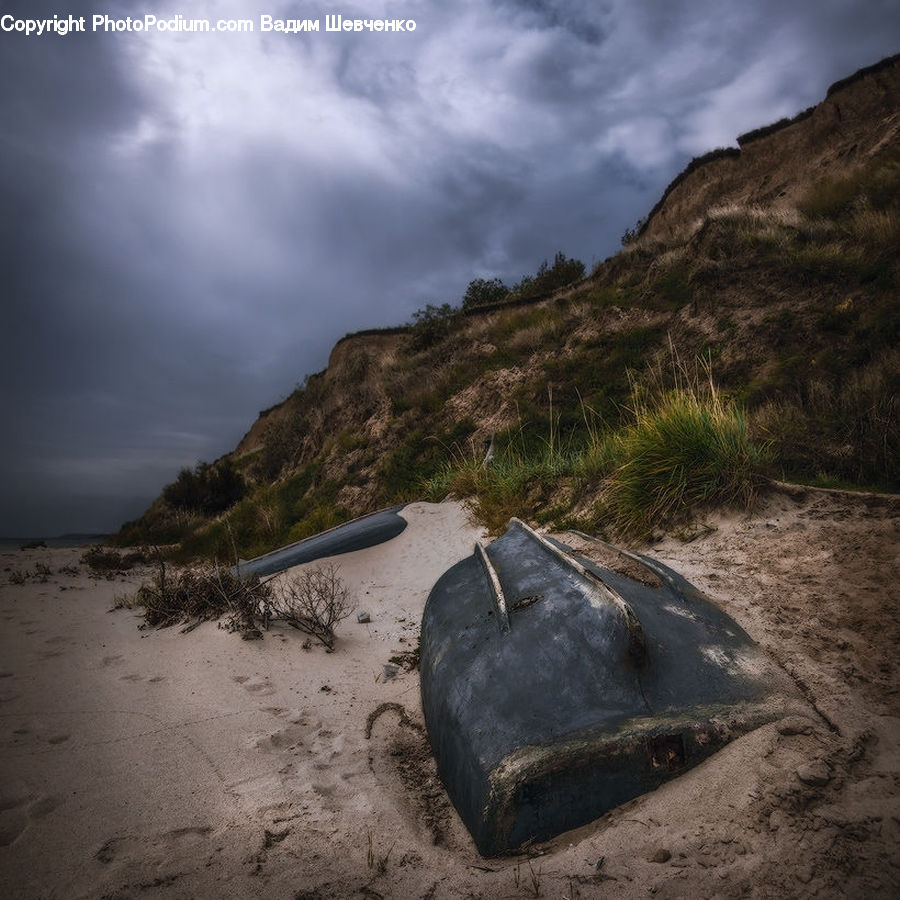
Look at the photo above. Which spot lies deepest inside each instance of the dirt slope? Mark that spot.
(858, 119)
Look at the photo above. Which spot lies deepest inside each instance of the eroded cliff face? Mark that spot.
(775, 166)
(368, 375)
(353, 368)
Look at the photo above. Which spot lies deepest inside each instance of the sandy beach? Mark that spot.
(136, 762)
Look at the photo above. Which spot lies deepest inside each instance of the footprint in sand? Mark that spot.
(19, 808)
(290, 738)
(43, 806)
(255, 685)
(110, 660)
(160, 848)
(14, 801)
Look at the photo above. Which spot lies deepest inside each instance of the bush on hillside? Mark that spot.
(430, 325)
(563, 272)
(630, 235)
(482, 292)
(208, 489)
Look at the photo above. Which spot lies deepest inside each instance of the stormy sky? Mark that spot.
(189, 221)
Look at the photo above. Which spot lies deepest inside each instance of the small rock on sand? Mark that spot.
(795, 725)
(815, 773)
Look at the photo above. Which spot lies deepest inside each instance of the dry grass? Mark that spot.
(314, 601)
(845, 432)
(202, 593)
(686, 446)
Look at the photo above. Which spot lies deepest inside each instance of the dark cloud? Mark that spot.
(188, 222)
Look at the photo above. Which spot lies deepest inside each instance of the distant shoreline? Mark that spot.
(59, 542)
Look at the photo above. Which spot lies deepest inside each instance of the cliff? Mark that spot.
(773, 166)
(775, 263)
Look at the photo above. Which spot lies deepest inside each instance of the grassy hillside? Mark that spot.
(760, 341)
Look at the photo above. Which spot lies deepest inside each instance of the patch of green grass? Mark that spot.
(320, 518)
(670, 290)
(875, 186)
(839, 320)
(273, 515)
(420, 457)
(685, 449)
(501, 490)
(349, 440)
(546, 319)
(682, 449)
(726, 325)
(595, 375)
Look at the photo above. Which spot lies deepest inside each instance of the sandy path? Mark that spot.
(136, 763)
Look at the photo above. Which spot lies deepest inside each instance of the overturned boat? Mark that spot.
(555, 688)
(357, 534)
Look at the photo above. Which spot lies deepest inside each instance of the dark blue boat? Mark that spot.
(555, 689)
(357, 534)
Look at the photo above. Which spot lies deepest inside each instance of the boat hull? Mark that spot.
(357, 534)
(555, 689)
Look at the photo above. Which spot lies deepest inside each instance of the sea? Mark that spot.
(63, 540)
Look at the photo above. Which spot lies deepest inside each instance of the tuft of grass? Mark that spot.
(686, 448)
(500, 490)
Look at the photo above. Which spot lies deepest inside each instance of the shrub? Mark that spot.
(482, 292)
(209, 489)
(313, 601)
(431, 325)
(202, 593)
(104, 560)
(549, 278)
(630, 235)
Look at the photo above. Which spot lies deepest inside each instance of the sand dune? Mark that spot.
(135, 762)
